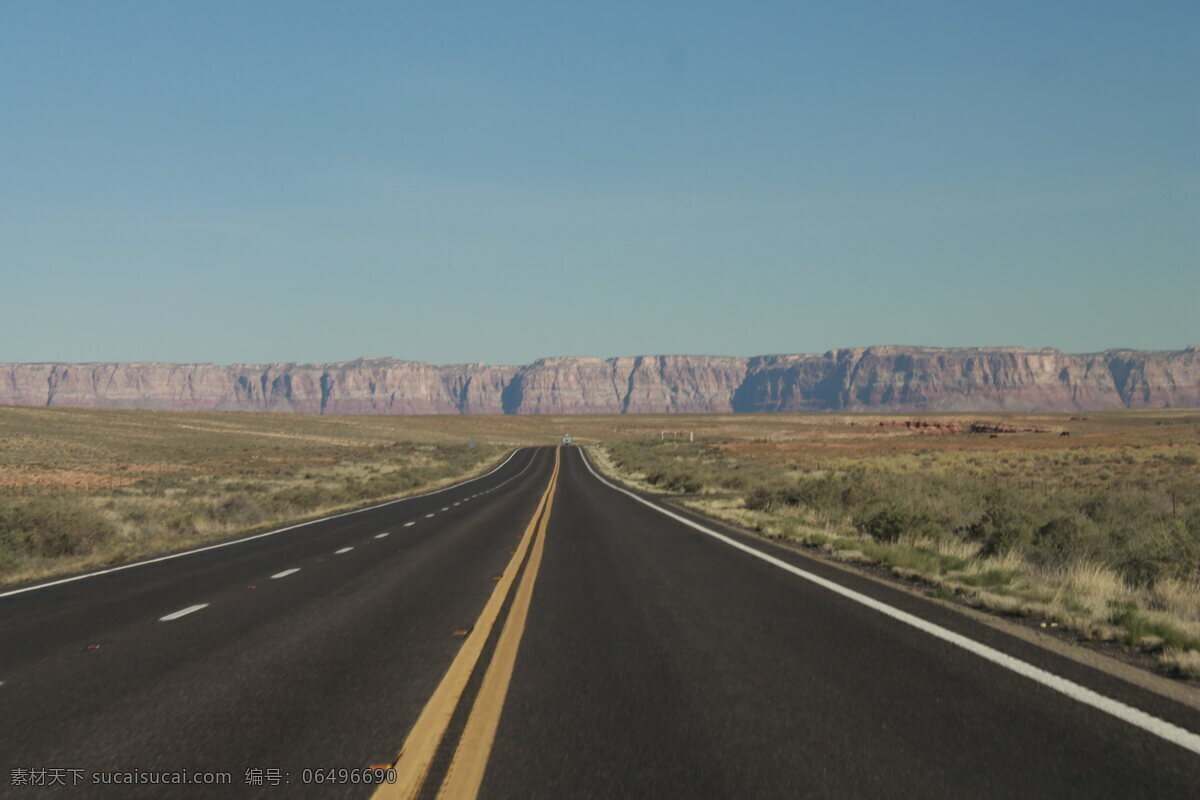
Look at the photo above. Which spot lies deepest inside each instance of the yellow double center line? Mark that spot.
(467, 766)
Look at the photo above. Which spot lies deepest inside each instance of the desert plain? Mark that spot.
(1087, 522)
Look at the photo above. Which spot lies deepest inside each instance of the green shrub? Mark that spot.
(991, 579)
(237, 509)
(1065, 539)
(1003, 526)
(683, 482)
(298, 498)
(759, 499)
(50, 527)
(182, 521)
(732, 482)
(889, 524)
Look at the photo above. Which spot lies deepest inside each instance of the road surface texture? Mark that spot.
(540, 633)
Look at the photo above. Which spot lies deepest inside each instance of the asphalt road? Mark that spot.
(544, 634)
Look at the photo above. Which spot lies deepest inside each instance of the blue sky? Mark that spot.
(469, 182)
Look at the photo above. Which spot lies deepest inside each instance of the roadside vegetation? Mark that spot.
(1097, 531)
(83, 488)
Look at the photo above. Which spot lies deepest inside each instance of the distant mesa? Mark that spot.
(870, 379)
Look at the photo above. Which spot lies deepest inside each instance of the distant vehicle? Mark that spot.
(566, 438)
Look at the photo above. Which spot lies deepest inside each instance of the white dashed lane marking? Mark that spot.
(409, 524)
(427, 516)
(285, 573)
(381, 535)
(445, 508)
(183, 612)
(181, 554)
(343, 550)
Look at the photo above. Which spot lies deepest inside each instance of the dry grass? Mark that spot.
(1125, 486)
(81, 488)
(1183, 663)
(85, 487)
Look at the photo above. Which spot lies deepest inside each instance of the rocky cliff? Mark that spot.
(877, 379)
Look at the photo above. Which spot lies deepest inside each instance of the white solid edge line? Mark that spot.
(285, 573)
(1136, 717)
(381, 535)
(343, 550)
(183, 612)
(170, 556)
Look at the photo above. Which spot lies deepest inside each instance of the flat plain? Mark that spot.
(1089, 522)
(83, 488)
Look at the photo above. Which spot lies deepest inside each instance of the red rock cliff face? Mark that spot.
(638, 385)
(682, 384)
(941, 379)
(900, 379)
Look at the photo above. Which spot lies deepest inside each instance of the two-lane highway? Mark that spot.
(541, 633)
